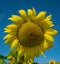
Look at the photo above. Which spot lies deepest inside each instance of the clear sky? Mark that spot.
(10, 7)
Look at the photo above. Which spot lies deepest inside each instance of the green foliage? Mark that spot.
(19, 63)
(2, 59)
(34, 63)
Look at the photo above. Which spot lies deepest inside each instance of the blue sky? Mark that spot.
(10, 7)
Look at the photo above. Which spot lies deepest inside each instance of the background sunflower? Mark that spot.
(52, 62)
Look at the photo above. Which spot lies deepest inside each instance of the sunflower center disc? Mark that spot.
(30, 34)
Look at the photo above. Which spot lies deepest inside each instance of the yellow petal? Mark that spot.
(12, 61)
(30, 13)
(48, 37)
(14, 43)
(12, 26)
(51, 32)
(46, 45)
(48, 18)
(7, 30)
(6, 42)
(23, 14)
(16, 19)
(10, 40)
(9, 57)
(50, 23)
(34, 12)
(11, 30)
(15, 48)
(43, 24)
(20, 52)
(40, 16)
(8, 36)
(43, 54)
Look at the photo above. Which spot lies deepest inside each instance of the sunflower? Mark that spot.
(30, 34)
(52, 62)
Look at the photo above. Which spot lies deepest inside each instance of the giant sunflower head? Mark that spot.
(29, 33)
